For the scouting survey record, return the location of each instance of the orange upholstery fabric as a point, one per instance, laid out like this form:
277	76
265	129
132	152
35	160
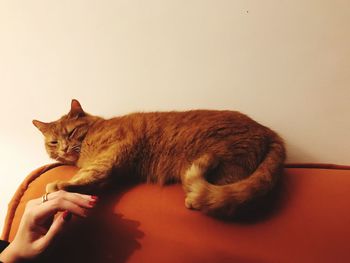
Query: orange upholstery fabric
308	222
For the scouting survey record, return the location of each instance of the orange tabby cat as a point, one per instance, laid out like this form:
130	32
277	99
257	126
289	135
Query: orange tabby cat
222	158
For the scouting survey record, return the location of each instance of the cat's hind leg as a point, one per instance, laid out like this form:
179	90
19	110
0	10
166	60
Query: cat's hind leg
205	179
193	180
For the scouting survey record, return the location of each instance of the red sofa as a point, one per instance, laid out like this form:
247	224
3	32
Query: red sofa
307	219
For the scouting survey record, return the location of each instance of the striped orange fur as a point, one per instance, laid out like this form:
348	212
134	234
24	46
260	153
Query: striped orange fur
223	159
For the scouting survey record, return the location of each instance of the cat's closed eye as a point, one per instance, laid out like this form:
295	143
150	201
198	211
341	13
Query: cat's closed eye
53	143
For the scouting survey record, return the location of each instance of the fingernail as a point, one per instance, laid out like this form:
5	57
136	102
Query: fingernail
66	216
94	197
92	203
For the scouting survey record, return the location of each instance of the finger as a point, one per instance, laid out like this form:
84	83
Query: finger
65	193
86	201
40	200
80	199
55	228
51	207
87	197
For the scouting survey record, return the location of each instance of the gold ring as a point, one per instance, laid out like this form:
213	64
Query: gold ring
44	197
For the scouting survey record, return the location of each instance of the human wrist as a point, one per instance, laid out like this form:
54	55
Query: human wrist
10	254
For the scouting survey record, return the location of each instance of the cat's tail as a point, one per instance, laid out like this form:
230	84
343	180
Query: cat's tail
223	200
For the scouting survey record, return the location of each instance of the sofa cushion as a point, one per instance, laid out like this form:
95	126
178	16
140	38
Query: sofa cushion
306	220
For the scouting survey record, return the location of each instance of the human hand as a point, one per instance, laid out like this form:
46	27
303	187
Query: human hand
38	226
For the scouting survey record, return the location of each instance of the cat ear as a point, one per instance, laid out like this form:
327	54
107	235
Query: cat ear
76	110
42	126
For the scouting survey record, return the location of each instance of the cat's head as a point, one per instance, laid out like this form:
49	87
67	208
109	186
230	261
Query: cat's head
64	137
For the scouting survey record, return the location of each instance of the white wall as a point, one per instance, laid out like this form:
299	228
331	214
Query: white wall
285	63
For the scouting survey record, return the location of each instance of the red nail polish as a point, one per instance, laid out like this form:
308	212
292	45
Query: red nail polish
66	216
92	203
94	197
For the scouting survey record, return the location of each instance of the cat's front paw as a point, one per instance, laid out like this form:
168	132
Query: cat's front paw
51	187
191	202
